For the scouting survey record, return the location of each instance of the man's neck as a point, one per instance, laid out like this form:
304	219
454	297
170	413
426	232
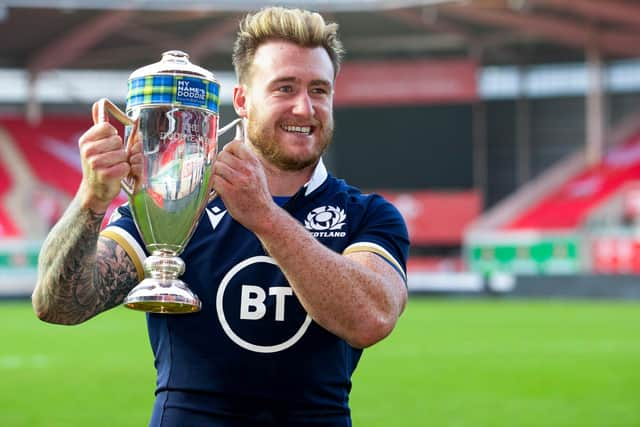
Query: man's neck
286	183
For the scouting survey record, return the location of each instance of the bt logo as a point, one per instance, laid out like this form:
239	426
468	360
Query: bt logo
260	317
252	299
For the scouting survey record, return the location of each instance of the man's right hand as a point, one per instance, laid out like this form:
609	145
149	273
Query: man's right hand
105	162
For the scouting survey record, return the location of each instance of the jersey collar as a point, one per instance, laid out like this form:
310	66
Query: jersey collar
319	176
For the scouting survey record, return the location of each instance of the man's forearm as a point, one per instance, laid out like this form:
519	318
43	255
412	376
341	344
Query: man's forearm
65	292
357	298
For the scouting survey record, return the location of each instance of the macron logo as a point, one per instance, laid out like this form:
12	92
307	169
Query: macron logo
215	215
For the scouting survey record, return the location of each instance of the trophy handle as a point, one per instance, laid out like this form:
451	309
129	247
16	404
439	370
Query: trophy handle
239	128
239	124
100	112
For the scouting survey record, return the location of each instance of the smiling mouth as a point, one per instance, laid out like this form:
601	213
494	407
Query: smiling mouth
302	130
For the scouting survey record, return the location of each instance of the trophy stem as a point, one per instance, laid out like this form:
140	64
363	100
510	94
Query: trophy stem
161	291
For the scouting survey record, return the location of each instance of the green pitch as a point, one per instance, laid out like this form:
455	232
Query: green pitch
448	363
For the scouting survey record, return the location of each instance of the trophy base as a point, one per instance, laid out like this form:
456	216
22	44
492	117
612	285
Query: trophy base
167	296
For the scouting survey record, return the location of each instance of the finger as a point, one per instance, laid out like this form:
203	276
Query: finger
135	147
100	111
98	131
224	171
95	147
108	159
136	161
116	171
231	160
238	149
220	186
135	171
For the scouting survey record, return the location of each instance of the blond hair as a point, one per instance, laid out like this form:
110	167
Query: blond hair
304	28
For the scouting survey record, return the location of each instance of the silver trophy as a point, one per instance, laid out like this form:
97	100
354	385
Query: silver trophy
172	109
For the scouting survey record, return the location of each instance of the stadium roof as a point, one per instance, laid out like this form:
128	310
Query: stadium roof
41	35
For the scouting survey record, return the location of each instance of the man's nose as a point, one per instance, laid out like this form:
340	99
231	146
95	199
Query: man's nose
303	105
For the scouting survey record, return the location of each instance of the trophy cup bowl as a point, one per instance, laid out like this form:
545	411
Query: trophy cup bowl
172	110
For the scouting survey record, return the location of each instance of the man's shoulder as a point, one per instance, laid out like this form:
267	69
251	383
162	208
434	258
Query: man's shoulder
355	194
356	202
334	185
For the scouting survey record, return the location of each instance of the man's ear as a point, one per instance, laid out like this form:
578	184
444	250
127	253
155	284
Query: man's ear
240	100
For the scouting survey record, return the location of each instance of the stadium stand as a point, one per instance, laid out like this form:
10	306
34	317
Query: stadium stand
8	228
569	205
436	221
436	217
51	148
577	217
41	172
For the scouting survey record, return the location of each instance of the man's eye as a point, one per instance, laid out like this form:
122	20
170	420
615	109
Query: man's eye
319	90
285	89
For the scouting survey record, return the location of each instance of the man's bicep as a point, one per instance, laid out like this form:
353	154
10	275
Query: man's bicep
115	273
393	277
377	257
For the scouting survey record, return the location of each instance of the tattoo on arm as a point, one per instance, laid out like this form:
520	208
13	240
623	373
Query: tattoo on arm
115	274
80	275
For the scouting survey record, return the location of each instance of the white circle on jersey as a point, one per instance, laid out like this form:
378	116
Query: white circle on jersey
231	333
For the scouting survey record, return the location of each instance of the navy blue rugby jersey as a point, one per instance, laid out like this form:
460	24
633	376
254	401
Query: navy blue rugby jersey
252	339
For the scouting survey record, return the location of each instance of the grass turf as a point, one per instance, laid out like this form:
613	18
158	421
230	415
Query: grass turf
448	363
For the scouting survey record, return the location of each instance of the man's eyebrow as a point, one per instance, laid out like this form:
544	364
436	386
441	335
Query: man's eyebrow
285	79
321	82
291	79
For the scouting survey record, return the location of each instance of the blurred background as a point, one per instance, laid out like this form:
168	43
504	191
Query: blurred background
507	132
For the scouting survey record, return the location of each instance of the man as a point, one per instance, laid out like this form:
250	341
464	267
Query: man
296	270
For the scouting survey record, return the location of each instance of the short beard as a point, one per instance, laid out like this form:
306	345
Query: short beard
269	149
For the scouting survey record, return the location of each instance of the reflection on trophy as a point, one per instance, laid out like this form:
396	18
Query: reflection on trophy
172	109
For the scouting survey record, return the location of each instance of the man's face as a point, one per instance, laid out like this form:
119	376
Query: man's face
289	104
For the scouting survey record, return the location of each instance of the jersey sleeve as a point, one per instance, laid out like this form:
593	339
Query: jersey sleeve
121	229
383	231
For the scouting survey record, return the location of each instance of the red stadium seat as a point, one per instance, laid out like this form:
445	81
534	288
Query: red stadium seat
569	205
8	228
51	148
